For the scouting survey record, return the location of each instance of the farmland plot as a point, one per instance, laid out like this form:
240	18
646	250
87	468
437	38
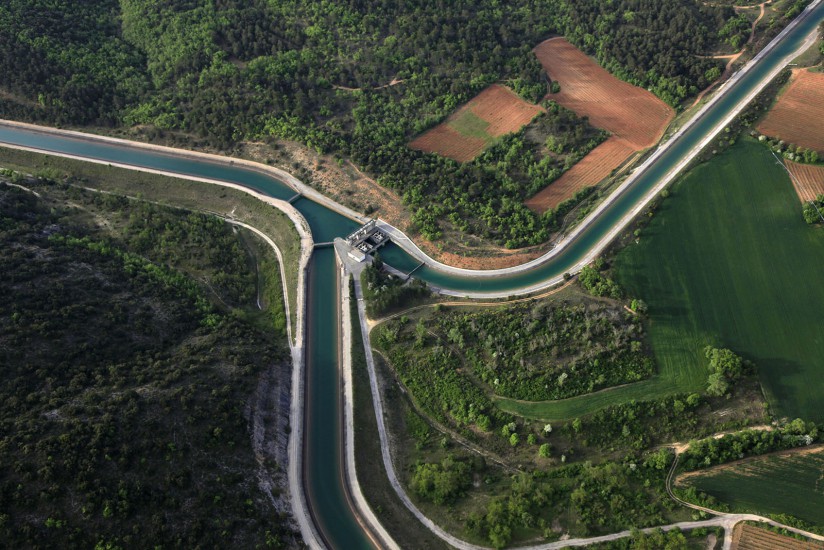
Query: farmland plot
634	116
750	537
594	167
808	179
494	112
796	117
782	483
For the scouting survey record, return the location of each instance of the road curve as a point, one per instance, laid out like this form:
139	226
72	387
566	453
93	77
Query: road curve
735	517
297	348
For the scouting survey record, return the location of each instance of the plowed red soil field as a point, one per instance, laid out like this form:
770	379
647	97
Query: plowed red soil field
447	142
593	168
749	537
808	180
503	109
797	116
626	111
633	115
494	112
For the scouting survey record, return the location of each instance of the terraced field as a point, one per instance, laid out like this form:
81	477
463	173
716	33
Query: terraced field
783	483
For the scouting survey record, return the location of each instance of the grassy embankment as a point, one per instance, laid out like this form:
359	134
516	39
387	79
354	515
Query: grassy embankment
726	260
775	484
177	192
392	513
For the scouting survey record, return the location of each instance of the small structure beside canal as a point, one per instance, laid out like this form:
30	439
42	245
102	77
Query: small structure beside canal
366	240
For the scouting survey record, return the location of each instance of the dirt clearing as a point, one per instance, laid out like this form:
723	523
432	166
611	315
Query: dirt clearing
798	114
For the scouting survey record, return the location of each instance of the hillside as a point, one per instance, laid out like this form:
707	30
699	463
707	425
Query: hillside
138	407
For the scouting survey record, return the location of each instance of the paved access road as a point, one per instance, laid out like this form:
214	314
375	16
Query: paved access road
577	249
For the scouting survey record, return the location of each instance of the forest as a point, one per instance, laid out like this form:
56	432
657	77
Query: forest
384	292
130	377
314	72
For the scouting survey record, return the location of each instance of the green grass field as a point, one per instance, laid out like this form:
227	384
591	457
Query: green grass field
776	484
727	260
469	124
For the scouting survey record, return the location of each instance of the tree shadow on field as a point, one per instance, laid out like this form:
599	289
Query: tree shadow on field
774	372
666	311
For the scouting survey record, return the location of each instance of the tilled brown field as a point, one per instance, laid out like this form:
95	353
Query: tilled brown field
634	116
749	537
447	142
503	109
797	116
808	179
626	111
594	167
499	108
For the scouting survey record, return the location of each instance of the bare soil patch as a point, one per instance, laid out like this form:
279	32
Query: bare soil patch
447	142
500	111
629	112
796	117
750	537
590	170
503	109
634	116
808	179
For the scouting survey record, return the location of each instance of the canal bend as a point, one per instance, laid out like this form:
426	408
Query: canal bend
324	485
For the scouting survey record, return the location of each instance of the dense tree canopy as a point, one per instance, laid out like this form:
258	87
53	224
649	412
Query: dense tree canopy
125	395
315	72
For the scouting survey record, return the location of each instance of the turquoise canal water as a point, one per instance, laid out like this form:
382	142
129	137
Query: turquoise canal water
324	484
322	446
327	224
